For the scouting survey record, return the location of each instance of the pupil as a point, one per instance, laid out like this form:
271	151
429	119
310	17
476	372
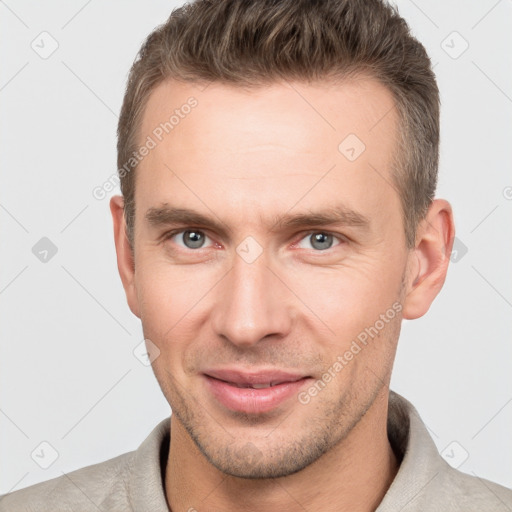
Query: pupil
193	239
321	241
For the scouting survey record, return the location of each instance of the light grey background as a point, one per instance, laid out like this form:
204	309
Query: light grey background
68	375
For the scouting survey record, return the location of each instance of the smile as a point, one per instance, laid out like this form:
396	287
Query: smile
252	393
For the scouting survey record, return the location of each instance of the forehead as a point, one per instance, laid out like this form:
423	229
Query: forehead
269	113
271	145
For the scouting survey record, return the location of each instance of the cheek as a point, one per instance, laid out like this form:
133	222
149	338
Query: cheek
170	297
334	304
351	297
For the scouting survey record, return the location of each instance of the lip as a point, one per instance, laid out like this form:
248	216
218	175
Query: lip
223	385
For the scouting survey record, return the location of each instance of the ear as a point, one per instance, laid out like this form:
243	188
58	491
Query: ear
125	259
428	261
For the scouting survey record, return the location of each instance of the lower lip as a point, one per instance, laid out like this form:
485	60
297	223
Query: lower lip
251	400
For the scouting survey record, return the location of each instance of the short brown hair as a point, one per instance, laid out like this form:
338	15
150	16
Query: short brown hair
257	42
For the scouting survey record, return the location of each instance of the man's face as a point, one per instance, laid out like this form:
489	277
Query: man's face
255	293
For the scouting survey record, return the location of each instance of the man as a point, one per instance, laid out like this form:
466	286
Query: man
278	164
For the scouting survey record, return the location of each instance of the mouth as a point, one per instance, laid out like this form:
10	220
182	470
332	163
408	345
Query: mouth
255	386
253	392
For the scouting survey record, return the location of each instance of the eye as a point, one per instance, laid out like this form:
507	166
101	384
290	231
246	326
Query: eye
189	238
319	240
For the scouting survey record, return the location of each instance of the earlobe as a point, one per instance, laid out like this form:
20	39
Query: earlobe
125	259
429	259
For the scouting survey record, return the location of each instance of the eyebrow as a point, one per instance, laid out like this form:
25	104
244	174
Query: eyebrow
340	215
166	215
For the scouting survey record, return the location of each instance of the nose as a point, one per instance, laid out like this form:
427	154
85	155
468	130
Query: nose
253	304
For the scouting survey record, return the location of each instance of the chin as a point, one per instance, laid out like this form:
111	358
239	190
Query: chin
275	460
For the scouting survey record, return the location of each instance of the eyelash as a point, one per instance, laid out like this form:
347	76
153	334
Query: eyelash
170	234
341	238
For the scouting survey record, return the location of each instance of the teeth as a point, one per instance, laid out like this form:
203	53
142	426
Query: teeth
255	386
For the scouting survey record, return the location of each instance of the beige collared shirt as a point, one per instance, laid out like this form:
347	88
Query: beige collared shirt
134	481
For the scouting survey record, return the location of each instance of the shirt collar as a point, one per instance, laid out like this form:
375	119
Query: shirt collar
419	459
420	462
146	487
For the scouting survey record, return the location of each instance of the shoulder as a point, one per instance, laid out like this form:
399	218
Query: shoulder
460	491
125	483
101	486
425	481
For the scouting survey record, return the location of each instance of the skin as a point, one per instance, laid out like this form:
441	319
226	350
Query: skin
244	158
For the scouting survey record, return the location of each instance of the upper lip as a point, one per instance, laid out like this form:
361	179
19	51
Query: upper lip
254	377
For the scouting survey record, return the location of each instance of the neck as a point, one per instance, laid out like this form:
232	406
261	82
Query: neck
354	475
